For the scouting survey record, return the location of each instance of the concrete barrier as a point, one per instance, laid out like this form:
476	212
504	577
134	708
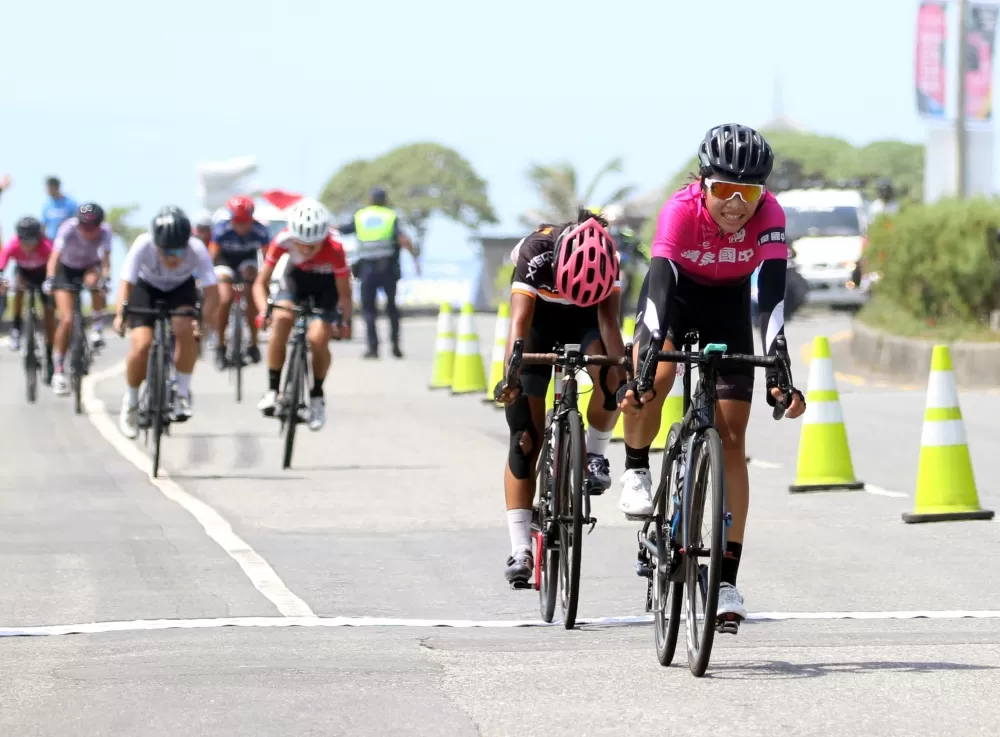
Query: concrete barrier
909	359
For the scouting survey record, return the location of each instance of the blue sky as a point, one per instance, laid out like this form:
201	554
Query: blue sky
122	100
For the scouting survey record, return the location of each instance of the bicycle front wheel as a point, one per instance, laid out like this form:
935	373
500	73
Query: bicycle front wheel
76	362
155	382
31	358
547	567
706	506
291	398
668	595
236	346
571	481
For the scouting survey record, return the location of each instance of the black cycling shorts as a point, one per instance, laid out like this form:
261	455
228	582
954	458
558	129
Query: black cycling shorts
720	314
33	277
144	295
67	276
552	325
235	260
298	286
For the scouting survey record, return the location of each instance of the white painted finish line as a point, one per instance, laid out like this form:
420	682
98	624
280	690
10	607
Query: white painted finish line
258	570
313	621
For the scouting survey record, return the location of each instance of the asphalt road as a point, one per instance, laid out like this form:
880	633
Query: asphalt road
395	510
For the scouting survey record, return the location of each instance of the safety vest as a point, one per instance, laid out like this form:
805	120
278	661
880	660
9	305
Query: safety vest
373	227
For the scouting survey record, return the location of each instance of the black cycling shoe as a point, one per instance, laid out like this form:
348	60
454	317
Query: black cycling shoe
598	474
220	358
253	354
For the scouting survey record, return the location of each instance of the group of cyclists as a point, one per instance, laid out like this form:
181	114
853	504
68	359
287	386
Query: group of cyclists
186	265
711	236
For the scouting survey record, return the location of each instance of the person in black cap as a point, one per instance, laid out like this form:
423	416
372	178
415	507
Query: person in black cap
376	228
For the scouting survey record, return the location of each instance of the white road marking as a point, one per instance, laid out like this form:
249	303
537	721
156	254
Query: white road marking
879	491
258	570
314	621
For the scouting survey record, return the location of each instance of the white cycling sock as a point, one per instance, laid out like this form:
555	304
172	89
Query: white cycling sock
519	526
183	384
597	440
133	396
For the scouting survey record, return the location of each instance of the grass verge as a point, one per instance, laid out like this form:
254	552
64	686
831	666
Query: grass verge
883	314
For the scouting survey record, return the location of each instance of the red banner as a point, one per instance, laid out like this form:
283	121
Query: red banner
980	33
932	33
281	198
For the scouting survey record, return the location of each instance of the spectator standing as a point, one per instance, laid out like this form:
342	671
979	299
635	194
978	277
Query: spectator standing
58	207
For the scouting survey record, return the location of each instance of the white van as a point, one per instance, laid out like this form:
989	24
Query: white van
826	228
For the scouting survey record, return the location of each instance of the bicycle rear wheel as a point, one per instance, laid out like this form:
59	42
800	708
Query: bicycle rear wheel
571	480
547	565
291	397
667	595
31	355
707	487
156	382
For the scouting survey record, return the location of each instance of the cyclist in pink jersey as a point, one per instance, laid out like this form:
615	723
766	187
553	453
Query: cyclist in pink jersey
81	253
29	249
710	237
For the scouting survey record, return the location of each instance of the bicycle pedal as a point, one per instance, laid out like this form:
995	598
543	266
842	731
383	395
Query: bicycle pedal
638	518
643	570
592	522
520	585
728	624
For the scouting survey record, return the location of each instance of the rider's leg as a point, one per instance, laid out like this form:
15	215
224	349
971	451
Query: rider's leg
319	336
64	304
98	302
16	324
601	424
525	419
281	328
249	274
225	278
135	373
369	306
185	351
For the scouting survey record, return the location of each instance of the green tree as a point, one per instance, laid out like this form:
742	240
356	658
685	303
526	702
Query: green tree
556	185
118	220
422	180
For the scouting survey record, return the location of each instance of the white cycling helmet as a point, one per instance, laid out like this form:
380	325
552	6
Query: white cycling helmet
203	219
308	221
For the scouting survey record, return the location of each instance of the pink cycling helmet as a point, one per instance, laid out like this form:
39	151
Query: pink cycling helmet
586	263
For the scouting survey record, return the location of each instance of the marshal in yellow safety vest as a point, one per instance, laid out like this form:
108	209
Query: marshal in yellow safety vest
375	229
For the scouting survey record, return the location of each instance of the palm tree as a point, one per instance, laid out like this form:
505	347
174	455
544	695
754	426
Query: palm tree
557	187
118	220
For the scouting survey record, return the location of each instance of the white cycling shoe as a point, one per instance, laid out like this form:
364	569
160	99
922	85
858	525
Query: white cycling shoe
60	385
730	603
317	413
128	420
268	402
637	493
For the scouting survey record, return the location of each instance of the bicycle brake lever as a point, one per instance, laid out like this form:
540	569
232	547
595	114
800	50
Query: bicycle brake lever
781	404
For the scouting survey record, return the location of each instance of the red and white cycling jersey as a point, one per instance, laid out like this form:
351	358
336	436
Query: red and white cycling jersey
329	258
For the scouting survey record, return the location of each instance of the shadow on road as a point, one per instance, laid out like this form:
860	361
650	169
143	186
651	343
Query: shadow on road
235	477
785	669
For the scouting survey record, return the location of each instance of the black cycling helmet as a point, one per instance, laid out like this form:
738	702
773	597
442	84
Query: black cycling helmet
378	196
171	228
29	228
90	213
736	152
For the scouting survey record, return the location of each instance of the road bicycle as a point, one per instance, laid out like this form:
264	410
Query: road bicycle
563	506
81	352
672	544
293	402
158	393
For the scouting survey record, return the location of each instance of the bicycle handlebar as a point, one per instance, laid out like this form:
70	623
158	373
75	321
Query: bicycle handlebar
570	356
647	371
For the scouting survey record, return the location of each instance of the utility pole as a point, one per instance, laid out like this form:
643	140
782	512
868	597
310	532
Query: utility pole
961	140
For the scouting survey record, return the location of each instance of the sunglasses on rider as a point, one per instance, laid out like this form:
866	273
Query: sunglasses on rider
749	193
174	252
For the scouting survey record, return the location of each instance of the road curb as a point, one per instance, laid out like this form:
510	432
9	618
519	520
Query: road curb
909	359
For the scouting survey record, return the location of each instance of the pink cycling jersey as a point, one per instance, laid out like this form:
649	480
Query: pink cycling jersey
687	235
77	252
34	259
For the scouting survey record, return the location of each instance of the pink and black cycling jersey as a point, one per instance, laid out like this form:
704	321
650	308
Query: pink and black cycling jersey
687	235
31	260
77	252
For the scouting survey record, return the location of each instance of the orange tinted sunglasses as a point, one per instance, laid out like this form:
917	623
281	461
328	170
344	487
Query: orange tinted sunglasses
749	193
